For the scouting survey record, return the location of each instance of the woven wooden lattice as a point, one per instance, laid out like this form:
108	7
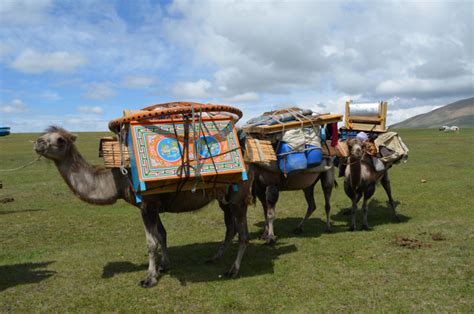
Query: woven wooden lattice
109	149
259	151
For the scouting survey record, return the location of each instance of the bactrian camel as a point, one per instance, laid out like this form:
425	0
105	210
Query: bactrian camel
361	179
105	186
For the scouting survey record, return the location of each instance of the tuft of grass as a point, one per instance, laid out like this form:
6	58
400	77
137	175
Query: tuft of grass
60	254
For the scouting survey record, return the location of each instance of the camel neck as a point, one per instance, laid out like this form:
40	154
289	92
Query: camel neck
355	171
90	184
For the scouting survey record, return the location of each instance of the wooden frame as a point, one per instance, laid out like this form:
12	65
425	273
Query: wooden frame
367	123
277	128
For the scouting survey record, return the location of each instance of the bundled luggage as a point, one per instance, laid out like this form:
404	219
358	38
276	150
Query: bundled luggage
295	135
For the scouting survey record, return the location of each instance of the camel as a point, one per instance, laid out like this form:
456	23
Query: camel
360	181
105	186
269	181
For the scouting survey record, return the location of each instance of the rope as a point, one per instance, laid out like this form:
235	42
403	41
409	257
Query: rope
123	170
21	167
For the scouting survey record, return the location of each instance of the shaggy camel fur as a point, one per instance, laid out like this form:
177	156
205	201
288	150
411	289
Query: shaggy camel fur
361	179
105	186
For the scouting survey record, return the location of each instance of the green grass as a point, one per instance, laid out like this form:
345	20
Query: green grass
60	254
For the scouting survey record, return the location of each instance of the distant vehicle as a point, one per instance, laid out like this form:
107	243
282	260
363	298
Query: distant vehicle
4	130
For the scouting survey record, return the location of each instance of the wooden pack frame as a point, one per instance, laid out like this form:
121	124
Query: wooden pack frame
109	149
366	123
259	151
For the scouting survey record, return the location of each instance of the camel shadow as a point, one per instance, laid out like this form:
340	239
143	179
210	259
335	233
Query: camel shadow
285	228
188	262
380	213
20	274
6	212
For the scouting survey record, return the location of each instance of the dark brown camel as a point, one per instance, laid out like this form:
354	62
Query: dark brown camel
361	179
269	181
105	186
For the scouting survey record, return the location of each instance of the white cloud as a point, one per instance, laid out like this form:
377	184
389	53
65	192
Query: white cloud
33	62
138	81
245	97
98	91
414	87
79	122
15	106
94	109
398	115
192	90
23	11
347	47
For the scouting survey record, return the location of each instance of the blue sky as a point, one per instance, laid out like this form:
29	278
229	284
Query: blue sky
78	64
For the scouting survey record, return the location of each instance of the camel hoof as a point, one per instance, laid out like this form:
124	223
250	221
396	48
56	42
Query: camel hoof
365	228
298	230
271	240
352	228
263	236
396	219
163	269
148	282
328	230
232	273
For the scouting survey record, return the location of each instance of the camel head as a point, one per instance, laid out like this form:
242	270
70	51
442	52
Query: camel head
356	148
55	143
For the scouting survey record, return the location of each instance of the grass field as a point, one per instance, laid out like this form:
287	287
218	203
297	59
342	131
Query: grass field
60	254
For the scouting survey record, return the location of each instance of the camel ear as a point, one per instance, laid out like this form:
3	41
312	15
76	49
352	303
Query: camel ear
73	137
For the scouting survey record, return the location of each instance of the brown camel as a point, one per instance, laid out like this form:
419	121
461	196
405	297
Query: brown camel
361	179
105	186
269	181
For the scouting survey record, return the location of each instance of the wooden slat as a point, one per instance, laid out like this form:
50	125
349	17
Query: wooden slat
109	149
367	119
271	129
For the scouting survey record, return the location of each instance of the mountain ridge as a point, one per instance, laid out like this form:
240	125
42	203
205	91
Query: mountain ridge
459	113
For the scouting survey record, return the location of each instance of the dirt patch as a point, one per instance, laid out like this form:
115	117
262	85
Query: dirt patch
410	243
6	200
438	236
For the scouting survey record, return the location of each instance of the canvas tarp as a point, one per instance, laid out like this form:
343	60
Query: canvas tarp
393	142
298	138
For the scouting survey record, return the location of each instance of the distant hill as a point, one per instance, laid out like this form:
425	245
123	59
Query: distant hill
460	113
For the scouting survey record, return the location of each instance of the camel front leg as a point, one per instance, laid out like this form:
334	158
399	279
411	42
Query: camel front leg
155	233
353	215
271	195
239	213
365	207
309	197
327	184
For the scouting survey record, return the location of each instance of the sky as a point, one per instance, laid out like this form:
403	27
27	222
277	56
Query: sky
79	64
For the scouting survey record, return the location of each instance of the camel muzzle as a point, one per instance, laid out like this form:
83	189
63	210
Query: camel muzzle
40	146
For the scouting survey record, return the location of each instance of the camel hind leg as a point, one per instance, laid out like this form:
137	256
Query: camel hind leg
155	234
385	181
309	196
229	233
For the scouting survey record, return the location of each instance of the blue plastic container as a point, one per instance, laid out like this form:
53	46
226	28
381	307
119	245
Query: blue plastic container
314	156
289	160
